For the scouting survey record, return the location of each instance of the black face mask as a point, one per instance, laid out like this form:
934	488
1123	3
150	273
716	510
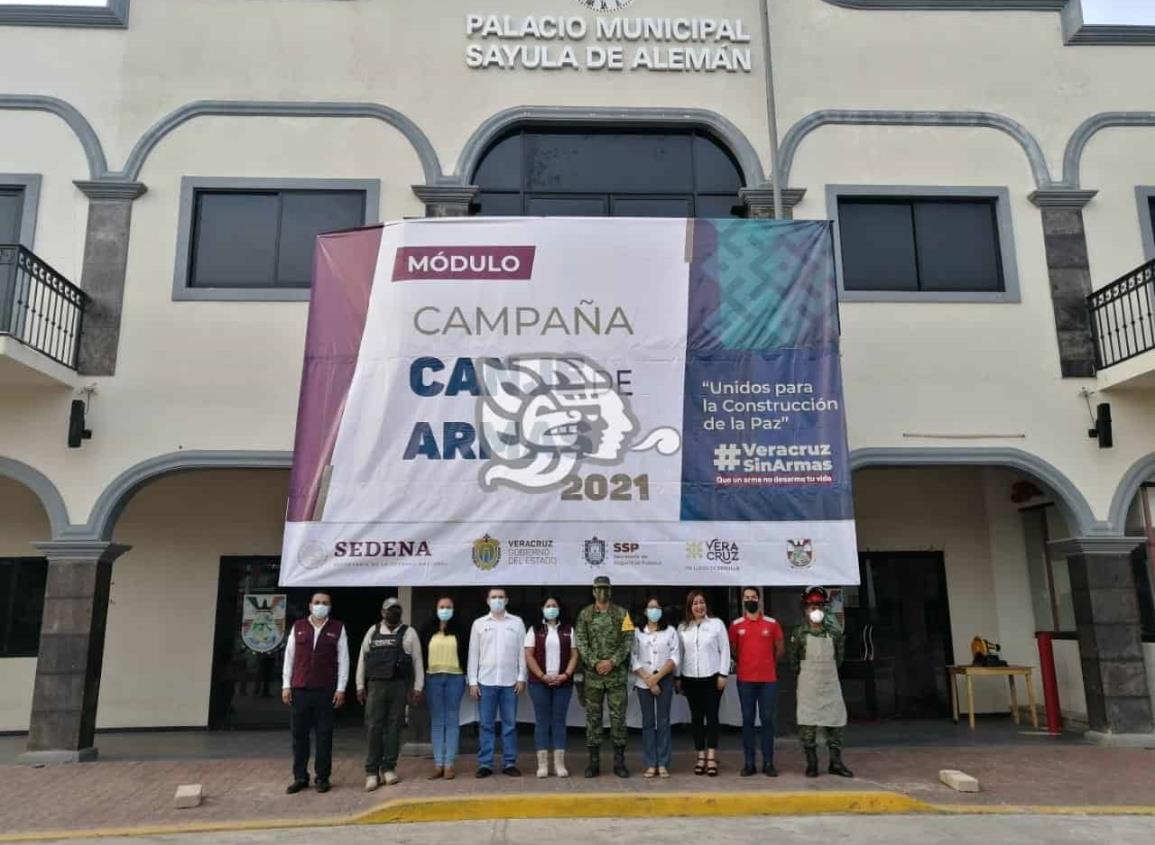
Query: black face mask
392	616
751	606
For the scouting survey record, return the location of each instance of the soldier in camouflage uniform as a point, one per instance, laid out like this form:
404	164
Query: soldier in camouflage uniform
816	649
604	635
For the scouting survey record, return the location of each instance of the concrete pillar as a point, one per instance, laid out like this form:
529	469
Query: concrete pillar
760	201
1106	604
1069	270
68	668
446	200
103	273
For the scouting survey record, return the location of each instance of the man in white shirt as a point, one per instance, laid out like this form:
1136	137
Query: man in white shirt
389	673
313	681
497	676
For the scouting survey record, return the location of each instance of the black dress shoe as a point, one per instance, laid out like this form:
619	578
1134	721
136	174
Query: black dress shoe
747	771
483	772
296	786
512	771
323	786
769	770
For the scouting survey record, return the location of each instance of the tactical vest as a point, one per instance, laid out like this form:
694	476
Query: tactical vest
386	659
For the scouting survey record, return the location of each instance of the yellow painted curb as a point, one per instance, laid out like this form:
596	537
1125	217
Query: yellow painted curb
632	805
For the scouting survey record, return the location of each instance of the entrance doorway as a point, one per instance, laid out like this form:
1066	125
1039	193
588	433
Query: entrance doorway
898	640
246	685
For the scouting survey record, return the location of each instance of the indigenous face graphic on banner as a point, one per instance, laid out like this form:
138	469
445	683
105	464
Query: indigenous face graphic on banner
507	401
263	621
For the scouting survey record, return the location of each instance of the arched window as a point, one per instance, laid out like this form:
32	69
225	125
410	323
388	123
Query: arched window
551	172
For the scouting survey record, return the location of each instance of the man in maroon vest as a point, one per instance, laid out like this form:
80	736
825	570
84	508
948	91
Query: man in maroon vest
314	678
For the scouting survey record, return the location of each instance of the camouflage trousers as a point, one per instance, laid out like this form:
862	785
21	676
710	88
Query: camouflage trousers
616	694
809	736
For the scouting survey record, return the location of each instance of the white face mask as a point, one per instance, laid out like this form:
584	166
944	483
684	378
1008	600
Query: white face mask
817	615
320	611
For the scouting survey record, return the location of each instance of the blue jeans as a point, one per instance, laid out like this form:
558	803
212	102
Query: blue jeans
494	700
444	692
762	696
656	724
550	705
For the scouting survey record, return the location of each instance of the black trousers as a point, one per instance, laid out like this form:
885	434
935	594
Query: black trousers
704	699
312	712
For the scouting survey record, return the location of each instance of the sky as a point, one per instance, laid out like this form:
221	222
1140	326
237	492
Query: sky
1094	11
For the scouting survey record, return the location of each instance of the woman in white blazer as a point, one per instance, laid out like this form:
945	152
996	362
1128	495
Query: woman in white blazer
702	674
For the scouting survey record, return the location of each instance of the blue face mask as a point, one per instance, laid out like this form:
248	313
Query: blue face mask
551	613
654	614
497	605
445	613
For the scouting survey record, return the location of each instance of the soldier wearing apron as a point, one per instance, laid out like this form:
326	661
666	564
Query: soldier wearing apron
816	648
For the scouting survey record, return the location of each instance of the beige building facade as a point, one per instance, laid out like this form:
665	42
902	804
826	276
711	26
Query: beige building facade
988	165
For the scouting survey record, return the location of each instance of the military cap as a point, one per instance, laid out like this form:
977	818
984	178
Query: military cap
602	581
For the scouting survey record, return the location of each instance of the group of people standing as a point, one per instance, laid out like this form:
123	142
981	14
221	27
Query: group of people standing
601	653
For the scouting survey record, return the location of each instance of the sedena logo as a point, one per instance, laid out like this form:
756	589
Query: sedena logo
495	263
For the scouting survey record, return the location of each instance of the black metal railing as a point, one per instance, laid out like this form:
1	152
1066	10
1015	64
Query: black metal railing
39	307
1122	317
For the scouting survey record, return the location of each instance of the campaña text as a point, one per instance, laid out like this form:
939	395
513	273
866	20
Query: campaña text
521	320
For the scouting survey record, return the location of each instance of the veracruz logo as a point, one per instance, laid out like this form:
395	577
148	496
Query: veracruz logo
497	263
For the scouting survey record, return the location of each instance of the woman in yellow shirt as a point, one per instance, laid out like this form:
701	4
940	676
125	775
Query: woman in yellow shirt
446	644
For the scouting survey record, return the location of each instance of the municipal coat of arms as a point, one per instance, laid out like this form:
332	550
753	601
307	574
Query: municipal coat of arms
800	553
486	553
263	621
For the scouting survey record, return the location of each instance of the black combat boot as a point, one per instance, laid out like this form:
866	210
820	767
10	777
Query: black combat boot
594	767
620	762
836	767
811	762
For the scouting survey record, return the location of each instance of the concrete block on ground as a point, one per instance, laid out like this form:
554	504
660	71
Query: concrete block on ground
958	781
188	796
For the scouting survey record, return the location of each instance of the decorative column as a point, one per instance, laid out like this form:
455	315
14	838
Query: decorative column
1069	270
105	264
760	201
1106	603
446	200
71	655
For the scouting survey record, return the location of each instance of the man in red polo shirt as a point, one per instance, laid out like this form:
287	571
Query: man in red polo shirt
757	643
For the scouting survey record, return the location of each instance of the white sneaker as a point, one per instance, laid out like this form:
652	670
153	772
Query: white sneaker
559	764
371	783
391	778
543	764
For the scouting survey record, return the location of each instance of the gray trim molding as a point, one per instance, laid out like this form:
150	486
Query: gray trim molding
113	15
189	185
93	151
1076	510
721	127
430	163
446	194
1095	545
1065	198
113	499
1143	196
44	489
967	119
1139	473
763	198
1073	155
1007	254
103	189
29	183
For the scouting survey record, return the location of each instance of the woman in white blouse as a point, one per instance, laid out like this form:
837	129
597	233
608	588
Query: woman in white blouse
653	660
702	672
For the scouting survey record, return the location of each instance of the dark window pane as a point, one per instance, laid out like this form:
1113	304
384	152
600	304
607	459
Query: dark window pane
714	169
651	206
499	205
501	167
958	246
709	206
11	209
621	163
28	608
877	246
304	215
566	207
235	240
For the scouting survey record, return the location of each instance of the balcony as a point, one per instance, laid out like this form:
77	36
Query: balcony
41	317
1123	328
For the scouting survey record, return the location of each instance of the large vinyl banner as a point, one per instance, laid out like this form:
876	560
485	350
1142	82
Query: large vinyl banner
536	401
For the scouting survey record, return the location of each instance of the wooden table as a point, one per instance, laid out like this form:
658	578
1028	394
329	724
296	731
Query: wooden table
1008	672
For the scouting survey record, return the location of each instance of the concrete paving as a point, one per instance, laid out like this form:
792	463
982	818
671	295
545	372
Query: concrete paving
894	830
